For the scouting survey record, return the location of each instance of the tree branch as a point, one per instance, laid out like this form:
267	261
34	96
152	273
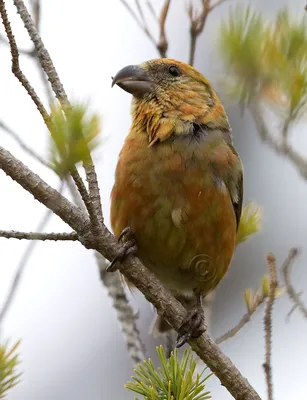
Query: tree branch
72	236
44	193
281	147
257	301
16	68
286	271
42	53
162	44
108	246
197	24
268	324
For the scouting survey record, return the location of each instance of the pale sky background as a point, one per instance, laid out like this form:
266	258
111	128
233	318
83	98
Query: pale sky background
72	347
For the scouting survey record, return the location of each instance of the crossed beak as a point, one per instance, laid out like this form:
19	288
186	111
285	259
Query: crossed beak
133	79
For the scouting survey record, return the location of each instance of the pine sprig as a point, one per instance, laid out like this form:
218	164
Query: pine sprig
174	380
250	222
267	60
74	134
9	361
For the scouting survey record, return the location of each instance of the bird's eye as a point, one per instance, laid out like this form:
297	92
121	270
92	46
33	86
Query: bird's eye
174	70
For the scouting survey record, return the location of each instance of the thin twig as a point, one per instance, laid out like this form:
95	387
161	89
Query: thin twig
72	236
87	200
24	52
93	188
267	366
36	11
42	53
23	263
162	45
16	68
279	146
259	299
198	22
152	10
286	271
24	146
44	193
134	16
125	314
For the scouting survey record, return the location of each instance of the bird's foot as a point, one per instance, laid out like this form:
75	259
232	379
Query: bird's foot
128	248
193	325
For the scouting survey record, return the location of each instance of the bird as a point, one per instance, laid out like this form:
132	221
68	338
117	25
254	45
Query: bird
178	190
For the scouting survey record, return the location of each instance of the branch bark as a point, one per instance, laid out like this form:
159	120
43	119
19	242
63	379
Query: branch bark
16	67
72	236
267	366
42	53
286	271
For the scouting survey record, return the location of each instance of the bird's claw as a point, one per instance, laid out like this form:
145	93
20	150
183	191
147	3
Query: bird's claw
128	248
192	326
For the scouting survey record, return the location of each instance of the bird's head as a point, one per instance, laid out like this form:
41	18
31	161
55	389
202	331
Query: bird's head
170	98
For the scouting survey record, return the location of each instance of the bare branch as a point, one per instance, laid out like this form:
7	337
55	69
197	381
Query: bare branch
133	14
93	187
24	52
162	45
268	324
24	146
72	236
257	301
152	10
36	11
42	53
279	146
125	314
286	271
16	68
87	200
197	24
44	193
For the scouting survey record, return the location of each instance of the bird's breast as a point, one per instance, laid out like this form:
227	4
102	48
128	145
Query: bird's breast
180	213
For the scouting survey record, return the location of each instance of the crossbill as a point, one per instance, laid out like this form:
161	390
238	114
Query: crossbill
178	184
